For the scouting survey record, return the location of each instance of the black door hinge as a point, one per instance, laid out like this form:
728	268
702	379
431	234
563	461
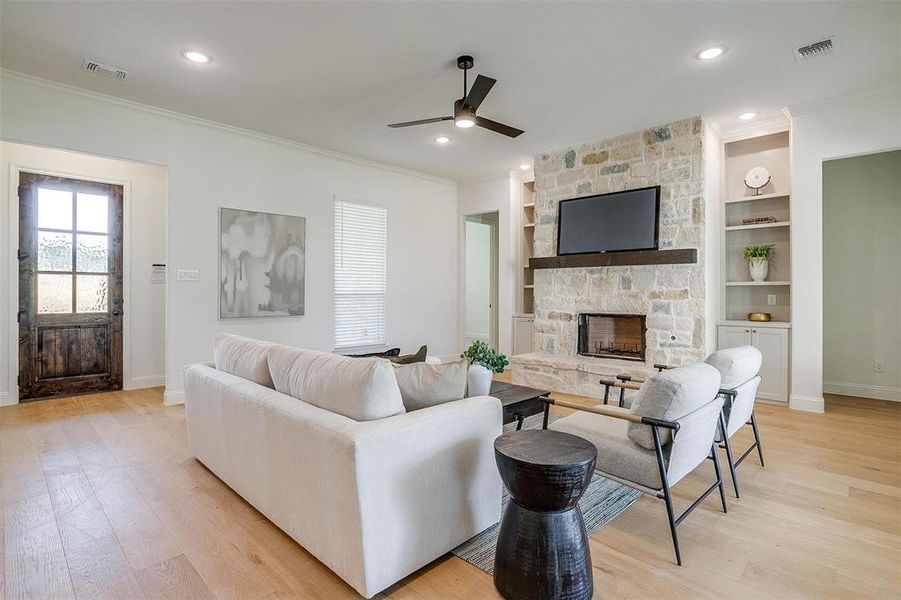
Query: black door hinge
21	312
21	254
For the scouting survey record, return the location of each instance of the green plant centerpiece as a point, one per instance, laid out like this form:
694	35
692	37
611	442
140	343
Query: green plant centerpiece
485	361
758	257
480	353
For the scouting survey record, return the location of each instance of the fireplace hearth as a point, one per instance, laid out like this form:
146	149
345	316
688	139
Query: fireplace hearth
612	336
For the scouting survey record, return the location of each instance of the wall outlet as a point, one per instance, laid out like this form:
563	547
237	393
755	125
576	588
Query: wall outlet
187	275
771	299
878	366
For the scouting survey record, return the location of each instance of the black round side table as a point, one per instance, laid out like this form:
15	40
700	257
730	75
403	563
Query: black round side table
542	546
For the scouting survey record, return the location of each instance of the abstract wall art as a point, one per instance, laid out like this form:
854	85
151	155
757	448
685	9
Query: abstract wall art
261	264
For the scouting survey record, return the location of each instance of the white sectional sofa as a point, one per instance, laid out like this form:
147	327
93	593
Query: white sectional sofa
375	495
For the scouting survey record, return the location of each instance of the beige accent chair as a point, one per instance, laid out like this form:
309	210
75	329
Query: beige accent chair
668	431
740	371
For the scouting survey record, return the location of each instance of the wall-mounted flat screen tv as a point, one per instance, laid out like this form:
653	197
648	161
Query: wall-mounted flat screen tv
609	222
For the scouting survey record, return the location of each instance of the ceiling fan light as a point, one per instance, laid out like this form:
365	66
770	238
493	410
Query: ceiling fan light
464	121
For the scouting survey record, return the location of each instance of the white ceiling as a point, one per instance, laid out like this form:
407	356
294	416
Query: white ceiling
334	74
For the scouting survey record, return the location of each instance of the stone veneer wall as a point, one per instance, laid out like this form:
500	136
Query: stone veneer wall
672	296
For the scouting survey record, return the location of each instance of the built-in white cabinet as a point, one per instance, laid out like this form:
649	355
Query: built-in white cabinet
522	333
773	343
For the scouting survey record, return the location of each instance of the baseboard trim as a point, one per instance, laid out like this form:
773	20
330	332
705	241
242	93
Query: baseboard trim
173	397
812	404
7	399
146	381
862	390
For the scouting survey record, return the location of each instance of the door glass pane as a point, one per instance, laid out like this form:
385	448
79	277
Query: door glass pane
92	253
54	293
54	209
92	213
90	293
54	251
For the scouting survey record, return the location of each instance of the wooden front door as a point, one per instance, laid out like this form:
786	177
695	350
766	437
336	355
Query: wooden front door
70	286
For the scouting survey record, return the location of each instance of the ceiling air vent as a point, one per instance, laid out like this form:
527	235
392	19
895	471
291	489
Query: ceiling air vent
97	68
823	47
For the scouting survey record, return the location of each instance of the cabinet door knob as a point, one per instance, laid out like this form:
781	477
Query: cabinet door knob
753	331
747	331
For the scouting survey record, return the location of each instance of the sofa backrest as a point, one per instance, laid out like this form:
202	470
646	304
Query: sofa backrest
670	395
362	389
243	357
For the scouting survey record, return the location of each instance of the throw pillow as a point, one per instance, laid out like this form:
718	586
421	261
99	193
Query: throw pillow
423	385
407	359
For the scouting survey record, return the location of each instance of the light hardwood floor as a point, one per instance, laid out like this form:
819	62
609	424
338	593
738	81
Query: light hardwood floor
101	499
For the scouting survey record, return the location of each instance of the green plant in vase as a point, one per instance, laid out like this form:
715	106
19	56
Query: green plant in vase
484	361
758	257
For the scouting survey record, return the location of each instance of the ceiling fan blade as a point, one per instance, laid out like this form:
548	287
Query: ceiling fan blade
480	88
498	127
420	122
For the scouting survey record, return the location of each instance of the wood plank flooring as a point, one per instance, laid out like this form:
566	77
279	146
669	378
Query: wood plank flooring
100	498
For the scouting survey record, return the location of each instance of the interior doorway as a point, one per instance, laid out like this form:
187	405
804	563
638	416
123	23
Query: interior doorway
70	286
862	276
480	289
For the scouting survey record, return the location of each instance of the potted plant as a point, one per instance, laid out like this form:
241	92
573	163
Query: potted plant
484	361
758	258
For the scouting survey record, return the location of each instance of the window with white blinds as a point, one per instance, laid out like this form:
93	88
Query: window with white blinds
361	257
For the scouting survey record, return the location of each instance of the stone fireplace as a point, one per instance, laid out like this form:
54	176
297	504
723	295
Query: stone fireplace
612	336
671	297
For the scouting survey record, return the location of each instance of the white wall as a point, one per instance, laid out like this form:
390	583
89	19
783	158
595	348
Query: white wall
499	195
821	131
211	166
145	244
862	275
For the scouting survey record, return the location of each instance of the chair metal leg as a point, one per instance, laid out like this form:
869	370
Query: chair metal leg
667	498
729	459
757	438
719	476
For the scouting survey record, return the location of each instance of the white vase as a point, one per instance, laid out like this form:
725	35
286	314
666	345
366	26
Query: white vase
759	268
478	381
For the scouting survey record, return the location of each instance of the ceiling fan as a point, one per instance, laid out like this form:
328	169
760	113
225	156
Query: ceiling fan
465	108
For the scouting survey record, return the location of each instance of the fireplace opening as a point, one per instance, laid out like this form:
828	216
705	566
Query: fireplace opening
612	336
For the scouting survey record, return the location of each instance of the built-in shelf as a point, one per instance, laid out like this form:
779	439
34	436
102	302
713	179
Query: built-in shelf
526	225
760	197
680	256
746	283
758	226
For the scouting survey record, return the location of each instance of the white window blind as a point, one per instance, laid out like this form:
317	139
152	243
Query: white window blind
361	256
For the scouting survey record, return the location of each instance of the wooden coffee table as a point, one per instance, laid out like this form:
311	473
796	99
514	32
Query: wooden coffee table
519	402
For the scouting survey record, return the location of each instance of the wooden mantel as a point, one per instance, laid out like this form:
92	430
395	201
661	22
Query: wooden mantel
678	256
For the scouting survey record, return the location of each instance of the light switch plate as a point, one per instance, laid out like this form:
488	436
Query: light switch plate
771	299
878	366
188	275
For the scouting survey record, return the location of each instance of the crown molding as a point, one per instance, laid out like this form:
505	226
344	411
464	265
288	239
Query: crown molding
803	108
240	131
758	127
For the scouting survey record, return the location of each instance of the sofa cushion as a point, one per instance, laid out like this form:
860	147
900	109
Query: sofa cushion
736	365
423	385
617	455
406	359
243	357
362	389
670	395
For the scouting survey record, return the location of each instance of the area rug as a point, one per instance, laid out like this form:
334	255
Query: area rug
602	501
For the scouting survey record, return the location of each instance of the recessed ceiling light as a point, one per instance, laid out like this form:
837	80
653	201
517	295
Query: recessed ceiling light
442	139
525	166
747	116
197	57
711	53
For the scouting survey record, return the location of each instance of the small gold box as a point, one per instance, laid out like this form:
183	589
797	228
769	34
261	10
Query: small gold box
760	317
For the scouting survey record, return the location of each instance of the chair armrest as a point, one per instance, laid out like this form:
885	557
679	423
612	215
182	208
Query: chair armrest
616	413
626	385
